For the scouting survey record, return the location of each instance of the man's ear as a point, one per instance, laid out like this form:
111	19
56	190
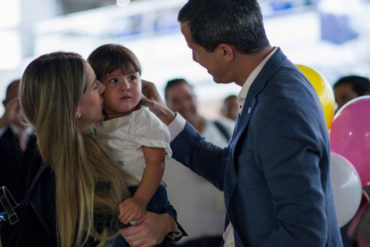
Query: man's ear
227	52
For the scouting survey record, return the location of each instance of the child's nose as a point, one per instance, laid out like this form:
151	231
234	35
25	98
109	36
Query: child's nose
125	85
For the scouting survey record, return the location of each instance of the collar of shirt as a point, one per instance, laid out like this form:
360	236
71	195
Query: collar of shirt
247	84
16	129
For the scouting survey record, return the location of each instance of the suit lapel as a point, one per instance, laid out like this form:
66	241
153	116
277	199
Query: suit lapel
244	118
231	176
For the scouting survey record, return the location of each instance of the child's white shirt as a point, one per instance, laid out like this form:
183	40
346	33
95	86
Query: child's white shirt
126	135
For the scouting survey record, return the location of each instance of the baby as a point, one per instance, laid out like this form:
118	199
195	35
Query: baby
137	139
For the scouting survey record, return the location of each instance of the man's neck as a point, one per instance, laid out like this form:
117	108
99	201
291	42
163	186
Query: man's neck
246	63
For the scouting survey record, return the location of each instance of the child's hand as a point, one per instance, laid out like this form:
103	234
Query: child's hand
131	209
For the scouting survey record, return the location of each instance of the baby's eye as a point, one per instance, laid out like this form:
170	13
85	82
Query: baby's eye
113	80
133	78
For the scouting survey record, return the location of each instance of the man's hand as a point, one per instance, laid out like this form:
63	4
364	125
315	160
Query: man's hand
152	99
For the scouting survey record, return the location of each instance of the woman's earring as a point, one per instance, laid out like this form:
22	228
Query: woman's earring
78	115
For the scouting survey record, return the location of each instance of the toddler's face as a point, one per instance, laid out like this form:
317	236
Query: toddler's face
122	92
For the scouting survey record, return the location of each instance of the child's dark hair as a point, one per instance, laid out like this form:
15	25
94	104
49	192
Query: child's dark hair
107	58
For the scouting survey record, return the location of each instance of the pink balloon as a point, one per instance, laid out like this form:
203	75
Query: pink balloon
350	135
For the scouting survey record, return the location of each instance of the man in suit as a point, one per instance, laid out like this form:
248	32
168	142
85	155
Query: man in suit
18	149
275	171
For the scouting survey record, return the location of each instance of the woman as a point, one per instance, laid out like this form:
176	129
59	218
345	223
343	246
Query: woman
61	98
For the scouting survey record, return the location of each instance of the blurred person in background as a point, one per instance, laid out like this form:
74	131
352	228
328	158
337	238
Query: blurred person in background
180	97
18	149
349	87
229	112
19	154
199	204
230	107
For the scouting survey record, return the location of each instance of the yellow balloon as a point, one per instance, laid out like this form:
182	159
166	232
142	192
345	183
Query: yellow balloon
323	89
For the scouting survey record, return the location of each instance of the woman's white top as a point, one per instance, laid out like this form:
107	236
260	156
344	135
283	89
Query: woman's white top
126	135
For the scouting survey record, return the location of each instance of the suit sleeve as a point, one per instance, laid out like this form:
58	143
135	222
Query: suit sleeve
179	232
203	158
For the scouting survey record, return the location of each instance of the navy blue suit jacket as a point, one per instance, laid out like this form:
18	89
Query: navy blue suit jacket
275	171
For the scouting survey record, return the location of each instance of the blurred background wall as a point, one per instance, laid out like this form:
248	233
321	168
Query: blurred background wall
332	36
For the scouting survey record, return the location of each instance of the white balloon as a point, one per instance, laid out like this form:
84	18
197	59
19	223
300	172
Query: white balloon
346	185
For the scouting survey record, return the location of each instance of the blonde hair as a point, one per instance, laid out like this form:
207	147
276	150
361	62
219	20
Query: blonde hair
88	183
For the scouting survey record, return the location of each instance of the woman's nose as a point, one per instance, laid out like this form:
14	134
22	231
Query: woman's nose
102	88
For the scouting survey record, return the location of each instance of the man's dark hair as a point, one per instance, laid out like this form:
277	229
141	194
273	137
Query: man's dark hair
174	82
359	84
234	22
9	87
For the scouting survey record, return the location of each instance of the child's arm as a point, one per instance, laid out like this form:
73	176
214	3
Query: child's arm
134	207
